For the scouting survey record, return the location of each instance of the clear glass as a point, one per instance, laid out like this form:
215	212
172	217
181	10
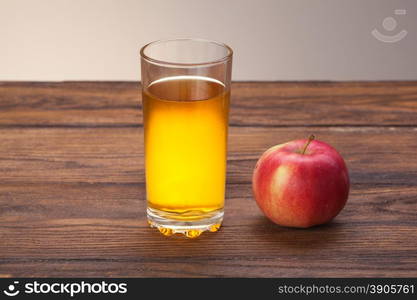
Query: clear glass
185	95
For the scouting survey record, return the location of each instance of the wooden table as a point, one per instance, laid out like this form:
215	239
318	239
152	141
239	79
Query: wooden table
72	192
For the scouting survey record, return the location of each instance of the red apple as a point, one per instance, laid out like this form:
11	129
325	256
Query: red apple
301	183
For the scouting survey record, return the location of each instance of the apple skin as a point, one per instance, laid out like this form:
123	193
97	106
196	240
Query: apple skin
301	190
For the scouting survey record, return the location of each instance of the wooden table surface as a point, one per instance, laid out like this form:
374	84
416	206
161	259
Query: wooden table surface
72	192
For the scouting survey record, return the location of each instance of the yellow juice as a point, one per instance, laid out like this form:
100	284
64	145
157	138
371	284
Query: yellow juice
185	120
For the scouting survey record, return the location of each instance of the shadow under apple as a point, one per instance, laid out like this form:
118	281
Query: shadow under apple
317	237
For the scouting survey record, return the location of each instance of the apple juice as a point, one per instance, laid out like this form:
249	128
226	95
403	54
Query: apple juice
185	124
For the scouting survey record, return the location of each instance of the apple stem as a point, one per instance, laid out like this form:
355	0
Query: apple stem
310	138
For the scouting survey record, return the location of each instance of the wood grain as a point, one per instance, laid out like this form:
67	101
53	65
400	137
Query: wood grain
72	192
105	104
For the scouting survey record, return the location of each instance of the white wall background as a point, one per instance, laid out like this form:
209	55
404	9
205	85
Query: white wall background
272	39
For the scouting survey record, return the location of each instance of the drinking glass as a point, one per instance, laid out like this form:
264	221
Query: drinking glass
185	94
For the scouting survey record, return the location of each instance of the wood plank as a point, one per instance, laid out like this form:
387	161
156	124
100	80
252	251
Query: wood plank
70	104
115	104
101	229
324	104
37	206
374	155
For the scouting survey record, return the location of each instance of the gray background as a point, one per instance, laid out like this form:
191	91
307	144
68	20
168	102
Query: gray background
273	40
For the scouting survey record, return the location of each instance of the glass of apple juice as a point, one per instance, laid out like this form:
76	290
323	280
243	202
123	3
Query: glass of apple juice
185	97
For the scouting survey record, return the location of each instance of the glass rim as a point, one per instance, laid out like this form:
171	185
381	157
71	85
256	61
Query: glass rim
225	58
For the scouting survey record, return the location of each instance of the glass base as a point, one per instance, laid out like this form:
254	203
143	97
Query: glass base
190	224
